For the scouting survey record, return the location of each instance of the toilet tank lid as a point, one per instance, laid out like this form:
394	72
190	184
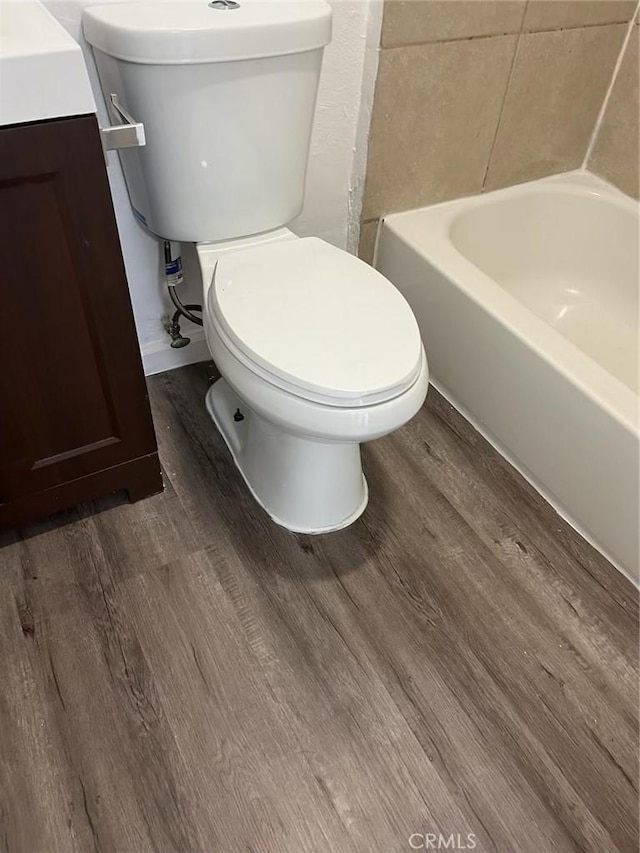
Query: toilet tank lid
171	32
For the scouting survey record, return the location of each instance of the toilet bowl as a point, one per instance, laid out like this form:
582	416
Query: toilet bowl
318	353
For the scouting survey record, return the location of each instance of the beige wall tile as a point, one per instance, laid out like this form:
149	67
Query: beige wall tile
422	21
616	154
563	14
367	244
434	117
557	87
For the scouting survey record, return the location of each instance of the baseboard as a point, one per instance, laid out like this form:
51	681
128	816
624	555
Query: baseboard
159	355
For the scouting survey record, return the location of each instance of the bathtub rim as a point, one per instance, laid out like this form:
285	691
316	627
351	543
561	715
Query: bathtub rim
426	231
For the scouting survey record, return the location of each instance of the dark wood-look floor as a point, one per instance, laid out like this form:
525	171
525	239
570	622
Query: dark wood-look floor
182	675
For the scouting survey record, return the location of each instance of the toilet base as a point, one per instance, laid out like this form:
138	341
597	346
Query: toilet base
305	485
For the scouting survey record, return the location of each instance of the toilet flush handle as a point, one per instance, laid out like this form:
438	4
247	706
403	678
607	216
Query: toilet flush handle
128	133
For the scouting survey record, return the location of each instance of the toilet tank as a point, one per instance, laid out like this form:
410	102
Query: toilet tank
226	93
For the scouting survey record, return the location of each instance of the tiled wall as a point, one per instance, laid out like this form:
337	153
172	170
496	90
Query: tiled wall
616	152
480	94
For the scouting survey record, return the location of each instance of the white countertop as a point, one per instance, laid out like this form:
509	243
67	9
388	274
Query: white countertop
42	70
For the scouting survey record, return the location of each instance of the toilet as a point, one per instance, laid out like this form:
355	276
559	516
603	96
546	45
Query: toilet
317	351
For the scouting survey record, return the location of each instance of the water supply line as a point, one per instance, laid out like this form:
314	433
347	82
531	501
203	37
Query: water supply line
173	277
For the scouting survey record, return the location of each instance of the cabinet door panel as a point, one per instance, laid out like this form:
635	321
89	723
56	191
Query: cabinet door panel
72	393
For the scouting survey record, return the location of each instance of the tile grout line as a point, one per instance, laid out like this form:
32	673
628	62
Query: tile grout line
612	82
504	97
487	36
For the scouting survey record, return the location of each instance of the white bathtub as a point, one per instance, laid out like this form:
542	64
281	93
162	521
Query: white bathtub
527	299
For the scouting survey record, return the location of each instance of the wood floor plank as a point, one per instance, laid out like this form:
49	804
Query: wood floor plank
41	805
460	716
182	675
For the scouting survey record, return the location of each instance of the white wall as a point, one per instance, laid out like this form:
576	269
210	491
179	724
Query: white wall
334	180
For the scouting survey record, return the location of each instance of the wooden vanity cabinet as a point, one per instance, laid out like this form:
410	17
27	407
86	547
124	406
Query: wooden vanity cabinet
75	421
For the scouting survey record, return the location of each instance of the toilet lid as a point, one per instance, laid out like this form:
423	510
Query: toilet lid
319	319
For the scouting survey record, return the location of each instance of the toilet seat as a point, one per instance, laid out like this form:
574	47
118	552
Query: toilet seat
316	322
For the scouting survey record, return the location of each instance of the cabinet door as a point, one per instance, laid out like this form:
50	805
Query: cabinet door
73	398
